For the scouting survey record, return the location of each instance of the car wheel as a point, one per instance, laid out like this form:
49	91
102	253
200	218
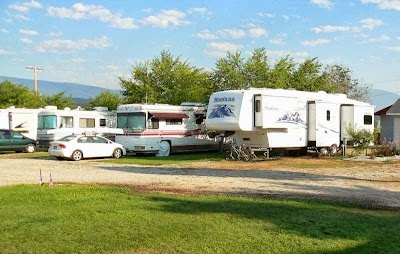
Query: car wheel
30	148
117	153
77	155
165	149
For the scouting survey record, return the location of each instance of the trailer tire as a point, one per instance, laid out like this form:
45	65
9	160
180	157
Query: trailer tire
333	149
165	149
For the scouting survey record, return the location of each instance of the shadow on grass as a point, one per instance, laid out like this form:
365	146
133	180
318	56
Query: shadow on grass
378	232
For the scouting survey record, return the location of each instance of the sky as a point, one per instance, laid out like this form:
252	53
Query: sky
95	42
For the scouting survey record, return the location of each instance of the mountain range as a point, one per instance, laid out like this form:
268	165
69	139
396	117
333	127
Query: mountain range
81	93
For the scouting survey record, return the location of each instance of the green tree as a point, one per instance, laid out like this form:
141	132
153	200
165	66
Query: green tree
257	69
166	79
106	99
229	73
17	95
281	74
340	80
310	77
60	100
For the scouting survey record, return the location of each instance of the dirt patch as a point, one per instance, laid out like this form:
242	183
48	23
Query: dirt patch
371	184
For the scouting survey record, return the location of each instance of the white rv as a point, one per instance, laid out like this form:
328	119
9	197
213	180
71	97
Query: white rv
290	119
161	128
54	123
23	120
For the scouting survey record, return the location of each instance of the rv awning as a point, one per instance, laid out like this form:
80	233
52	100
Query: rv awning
169	115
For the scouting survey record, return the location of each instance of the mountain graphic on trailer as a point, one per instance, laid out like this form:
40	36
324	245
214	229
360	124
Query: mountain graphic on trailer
221	112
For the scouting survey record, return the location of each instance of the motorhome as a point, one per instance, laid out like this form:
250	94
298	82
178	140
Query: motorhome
265	119
23	120
54	123
161	128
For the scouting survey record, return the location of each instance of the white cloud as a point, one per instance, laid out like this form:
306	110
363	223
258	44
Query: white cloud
265	15
5	52
166	18
381	38
198	10
81	11
371	23
330	29
206	35
323	3
65	46
25	7
78	60
26	40
55	34
233	33
257	32
285	17
28	32
314	43
4	30
384	4
277	41
283	53
220	49
395	49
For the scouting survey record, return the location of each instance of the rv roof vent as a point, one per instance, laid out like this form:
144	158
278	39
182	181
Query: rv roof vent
322	92
50	107
11	107
197	104
67	108
100	108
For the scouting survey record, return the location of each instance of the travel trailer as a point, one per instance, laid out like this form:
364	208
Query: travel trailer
23	120
266	119
160	129
54	123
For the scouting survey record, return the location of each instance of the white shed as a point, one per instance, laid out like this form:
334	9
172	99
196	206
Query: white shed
390	122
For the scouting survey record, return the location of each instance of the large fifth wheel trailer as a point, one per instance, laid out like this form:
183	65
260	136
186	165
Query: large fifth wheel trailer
290	119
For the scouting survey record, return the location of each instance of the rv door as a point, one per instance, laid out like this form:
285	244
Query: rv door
257	109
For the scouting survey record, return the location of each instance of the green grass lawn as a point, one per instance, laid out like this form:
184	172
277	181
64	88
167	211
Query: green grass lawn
103	219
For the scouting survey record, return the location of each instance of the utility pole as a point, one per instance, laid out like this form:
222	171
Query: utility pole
35	70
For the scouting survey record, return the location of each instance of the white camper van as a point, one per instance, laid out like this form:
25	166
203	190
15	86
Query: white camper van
161	128
54	123
290	119
23	120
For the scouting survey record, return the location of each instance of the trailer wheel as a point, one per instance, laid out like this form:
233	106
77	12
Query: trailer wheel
165	149
323	151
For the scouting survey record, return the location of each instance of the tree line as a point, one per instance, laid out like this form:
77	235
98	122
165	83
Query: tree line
169	79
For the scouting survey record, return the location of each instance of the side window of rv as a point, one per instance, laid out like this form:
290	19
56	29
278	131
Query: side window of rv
328	115
173	121
367	119
86	123
154	123
257	106
66	122
103	122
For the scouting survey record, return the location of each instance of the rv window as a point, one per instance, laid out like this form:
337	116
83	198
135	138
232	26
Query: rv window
154	123
86	123
47	122
67	122
103	122
258	106
173	121
131	120
328	115
367	119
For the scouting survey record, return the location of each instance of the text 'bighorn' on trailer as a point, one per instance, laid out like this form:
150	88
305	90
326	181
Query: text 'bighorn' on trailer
162	128
265	119
54	123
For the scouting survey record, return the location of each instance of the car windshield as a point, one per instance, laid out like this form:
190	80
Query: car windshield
67	138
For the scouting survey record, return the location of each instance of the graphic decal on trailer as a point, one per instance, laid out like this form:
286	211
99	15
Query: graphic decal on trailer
222	111
291	118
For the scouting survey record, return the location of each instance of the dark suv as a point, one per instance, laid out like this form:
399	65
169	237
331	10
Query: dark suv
15	141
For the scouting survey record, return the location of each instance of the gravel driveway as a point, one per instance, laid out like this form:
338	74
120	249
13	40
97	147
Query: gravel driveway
374	186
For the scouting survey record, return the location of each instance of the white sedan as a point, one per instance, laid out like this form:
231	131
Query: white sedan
77	147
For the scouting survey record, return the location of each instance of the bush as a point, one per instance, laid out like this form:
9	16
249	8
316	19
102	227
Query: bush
386	149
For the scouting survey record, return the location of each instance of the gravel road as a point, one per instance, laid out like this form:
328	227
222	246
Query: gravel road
374	186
